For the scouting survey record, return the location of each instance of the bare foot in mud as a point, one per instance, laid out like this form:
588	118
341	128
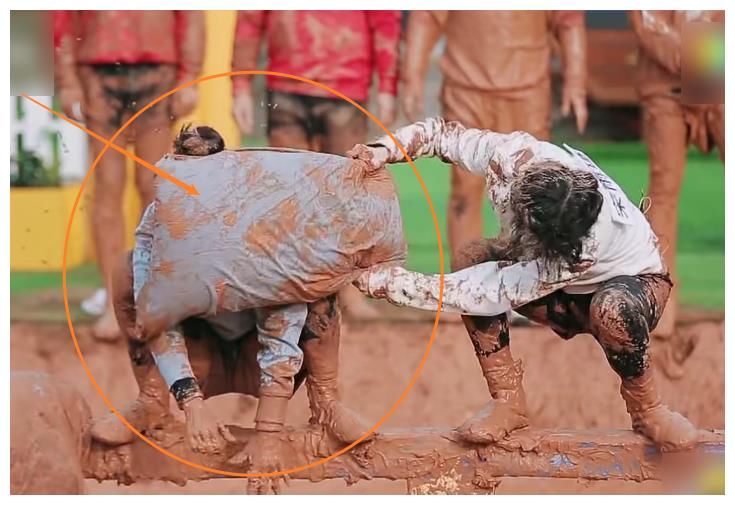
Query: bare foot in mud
669	430
204	432
106	328
144	416
494	422
264	452
343	423
110	429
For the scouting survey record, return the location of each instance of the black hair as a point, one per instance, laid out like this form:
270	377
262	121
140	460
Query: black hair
554	209
198	141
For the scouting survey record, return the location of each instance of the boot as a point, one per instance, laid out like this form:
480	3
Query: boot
149	411
321	359
507	411
669	430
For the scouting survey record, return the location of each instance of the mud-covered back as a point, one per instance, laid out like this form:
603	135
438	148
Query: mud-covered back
269	227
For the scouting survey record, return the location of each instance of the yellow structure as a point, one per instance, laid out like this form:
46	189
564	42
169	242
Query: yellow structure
38	216
215	96
38	219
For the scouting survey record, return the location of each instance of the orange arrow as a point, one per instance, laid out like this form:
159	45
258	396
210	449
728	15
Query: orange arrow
189	188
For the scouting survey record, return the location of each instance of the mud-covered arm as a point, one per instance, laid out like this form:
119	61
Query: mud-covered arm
248	35
422	33
472	149
487	289
65	65
386	31
568	28
143	248
658	37
190	38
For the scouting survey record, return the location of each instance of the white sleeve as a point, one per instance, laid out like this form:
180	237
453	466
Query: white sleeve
487	289
471	149
142	249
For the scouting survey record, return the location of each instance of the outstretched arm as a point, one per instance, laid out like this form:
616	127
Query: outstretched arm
422	33
658	37
474	150
569	29
487	289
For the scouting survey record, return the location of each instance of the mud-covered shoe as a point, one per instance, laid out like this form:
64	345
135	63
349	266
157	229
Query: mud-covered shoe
148	412
507	409
339	420
321	357
669	430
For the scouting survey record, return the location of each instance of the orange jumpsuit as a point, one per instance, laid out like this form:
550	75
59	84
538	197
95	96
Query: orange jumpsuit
670	126
497	76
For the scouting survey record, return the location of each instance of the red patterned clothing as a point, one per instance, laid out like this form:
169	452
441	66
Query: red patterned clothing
131	37
338	48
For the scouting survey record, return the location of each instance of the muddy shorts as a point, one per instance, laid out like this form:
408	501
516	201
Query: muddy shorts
620	314
319	119
113	93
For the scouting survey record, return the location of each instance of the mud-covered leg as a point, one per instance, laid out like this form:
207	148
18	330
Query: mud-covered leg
491	340
622	314
280	359
507	409
150	410
321	352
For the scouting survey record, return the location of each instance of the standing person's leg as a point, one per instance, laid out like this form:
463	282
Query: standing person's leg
622	314
715	118
467	194
666	138
338	126
531	112
153	128
103	115
343	125
288	121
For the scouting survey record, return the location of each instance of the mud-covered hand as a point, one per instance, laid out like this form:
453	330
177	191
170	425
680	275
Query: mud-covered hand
574	100
243	112
70	100
376	156
413	99
204	432
386	108
184	101
375	281
265	457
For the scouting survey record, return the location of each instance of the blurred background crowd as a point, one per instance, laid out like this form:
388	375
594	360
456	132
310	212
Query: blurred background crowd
608	81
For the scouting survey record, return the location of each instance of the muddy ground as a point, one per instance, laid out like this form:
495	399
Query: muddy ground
568	385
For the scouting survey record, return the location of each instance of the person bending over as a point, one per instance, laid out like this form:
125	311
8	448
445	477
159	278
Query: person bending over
573	254
287	336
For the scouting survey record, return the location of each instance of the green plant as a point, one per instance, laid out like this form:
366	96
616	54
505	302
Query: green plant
27	168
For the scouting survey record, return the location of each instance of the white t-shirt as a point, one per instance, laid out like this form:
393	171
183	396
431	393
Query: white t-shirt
621	242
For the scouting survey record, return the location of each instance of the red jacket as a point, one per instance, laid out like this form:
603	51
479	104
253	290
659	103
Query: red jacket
338	48
130	37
